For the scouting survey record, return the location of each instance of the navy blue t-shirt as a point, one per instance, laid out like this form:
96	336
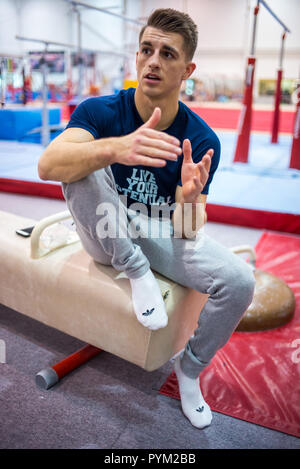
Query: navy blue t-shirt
116	115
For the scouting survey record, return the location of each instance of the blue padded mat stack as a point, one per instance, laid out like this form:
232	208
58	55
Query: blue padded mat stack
16	123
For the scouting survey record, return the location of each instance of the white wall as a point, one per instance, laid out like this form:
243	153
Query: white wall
224	32
34	18
55	20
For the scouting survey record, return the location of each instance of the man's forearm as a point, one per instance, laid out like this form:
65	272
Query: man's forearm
65	161
188	218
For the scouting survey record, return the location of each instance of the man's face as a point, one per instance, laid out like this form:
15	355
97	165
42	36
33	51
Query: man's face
161	63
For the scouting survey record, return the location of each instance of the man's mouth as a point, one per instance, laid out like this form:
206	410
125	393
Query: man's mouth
152	77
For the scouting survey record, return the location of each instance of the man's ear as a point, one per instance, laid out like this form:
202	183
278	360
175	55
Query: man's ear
190	68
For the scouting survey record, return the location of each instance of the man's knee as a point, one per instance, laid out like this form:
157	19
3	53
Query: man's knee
239	281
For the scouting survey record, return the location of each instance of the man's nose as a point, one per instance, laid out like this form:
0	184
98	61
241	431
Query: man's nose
154	60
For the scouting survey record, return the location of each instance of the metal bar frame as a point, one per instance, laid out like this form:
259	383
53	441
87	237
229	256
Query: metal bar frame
70	46
48	377
256	10
274	15
45	111
103	10
282	50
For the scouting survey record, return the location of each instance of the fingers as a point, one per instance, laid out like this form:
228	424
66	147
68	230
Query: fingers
202	174
203	167
196	181
156	153
206	160
145	161
192	189
187	151
153	144
157	148
154	119
158	135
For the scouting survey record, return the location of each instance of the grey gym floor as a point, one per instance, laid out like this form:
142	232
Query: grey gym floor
107	403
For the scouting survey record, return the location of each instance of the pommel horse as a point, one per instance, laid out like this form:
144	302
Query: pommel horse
51	278
63	287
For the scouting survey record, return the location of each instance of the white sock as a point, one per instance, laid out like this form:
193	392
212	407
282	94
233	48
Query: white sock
193	405
148	303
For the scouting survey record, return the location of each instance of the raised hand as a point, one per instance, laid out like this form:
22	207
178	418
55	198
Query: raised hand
193	175
147	146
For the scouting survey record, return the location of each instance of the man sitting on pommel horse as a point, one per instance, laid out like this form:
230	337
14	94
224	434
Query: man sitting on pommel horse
144	147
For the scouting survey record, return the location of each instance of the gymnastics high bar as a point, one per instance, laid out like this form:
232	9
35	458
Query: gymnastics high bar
103	10
274	15
244	126
70	46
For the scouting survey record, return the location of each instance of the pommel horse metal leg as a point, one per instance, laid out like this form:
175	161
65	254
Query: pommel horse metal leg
48	377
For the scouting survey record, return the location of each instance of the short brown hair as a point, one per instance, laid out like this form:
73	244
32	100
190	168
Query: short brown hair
174	21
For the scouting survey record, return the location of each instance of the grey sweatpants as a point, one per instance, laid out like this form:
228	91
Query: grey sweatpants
202	263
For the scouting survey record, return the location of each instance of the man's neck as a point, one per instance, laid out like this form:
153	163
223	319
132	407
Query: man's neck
146	105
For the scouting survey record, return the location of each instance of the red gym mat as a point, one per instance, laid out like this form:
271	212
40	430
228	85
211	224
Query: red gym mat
222	118
256	376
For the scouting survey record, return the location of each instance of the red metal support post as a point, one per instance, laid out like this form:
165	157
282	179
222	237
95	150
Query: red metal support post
295	151
244	127
276	114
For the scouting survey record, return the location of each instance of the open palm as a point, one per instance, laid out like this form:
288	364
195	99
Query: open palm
193	175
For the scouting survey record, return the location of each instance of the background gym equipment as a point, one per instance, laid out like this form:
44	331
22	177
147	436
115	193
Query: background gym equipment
60	285
109	402
295	152
276	114
2	89
274	302
244	127
89	301
255	376
269	166
45	129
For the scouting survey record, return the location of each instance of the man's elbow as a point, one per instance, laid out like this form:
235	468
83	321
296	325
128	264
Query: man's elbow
47	171
47	165
43	170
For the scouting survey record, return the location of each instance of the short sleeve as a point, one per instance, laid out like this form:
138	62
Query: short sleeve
213	142
82	117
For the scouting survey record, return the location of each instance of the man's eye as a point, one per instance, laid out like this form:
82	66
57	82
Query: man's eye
168	55
145	50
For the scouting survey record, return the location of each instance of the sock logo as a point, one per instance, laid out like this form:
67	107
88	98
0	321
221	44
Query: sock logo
200	409
147	313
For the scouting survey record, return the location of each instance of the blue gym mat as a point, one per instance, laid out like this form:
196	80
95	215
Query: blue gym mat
16	123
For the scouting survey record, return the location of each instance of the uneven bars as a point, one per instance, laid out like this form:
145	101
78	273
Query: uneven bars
44	41
274	15
92	7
